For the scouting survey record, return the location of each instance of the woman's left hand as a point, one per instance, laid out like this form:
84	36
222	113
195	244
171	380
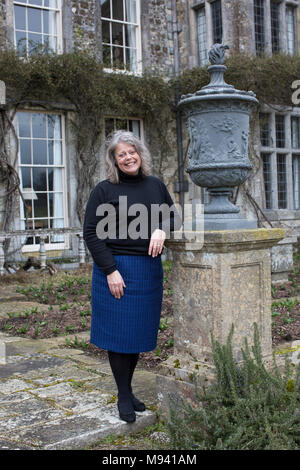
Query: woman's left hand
156	242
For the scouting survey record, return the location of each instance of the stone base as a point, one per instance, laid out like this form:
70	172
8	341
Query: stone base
229	224
222	282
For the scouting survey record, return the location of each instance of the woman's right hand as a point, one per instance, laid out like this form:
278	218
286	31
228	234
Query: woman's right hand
116	284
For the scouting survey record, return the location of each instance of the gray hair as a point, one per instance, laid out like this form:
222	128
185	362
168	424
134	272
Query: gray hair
129	138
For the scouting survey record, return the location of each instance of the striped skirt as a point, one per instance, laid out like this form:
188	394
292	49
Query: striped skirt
129	324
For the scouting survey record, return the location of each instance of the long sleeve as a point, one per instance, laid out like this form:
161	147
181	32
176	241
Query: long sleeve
98	248
170	219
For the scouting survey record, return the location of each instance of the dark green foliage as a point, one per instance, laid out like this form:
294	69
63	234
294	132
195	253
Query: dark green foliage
249	407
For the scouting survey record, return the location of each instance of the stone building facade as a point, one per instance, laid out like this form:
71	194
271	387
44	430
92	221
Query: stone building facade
168	36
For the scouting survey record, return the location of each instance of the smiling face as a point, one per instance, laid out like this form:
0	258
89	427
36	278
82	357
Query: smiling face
127	158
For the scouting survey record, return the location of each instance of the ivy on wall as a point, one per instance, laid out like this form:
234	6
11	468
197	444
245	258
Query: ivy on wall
79	79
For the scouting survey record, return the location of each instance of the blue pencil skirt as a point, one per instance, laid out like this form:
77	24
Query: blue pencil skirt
129	324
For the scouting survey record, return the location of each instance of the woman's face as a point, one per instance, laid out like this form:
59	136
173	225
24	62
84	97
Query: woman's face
127	158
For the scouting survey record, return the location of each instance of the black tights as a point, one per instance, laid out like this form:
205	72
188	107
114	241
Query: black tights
123	366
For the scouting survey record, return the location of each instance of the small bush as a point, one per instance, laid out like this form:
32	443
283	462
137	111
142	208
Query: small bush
249	408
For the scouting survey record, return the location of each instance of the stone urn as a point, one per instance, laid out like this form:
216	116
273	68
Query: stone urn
218	124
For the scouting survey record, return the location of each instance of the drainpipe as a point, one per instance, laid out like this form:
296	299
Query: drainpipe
179	185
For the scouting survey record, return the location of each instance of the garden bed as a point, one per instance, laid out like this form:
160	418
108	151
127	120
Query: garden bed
61	306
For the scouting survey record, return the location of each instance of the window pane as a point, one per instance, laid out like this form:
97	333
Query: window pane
57	179
130	36
105	8
134	126
34	40
107	56
201	36
50	3
118	12
26	177
264	123
295	131
40	206
25	151
20	17
121	124
106	32
39	153
117	34
36	2
39	125
131	63
130	13
296	180
118	57
275	26
266	158
280	131
39	179
24	124
49	22
259	26
57	210
34	20
216	11
281	182
21	43
291	30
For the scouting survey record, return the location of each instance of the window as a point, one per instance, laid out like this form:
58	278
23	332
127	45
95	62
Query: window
275	26
121	34
41	167
114	124
280	155
36	23
217	30
201	35
259	26
291	29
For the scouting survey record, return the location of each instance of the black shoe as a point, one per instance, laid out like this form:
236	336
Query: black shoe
126	411
137	404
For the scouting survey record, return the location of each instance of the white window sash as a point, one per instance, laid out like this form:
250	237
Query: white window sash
59	203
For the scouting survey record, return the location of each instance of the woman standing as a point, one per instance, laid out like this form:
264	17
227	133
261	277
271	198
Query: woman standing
127	282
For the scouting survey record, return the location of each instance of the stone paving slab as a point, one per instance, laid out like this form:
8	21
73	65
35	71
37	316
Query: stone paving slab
60	398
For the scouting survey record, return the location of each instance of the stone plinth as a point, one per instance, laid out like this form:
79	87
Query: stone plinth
222	282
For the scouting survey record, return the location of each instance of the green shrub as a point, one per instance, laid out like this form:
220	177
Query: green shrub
248	408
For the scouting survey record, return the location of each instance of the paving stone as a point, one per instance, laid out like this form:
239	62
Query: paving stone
82	430
14	385
54	390
34	363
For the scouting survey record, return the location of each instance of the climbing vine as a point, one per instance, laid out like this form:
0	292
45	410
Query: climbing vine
77	79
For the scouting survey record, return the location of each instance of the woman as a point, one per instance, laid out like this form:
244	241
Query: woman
127	277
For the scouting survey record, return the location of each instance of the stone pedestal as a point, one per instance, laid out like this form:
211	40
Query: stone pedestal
222	282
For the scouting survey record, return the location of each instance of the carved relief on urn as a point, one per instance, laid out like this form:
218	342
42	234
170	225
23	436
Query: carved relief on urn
218	125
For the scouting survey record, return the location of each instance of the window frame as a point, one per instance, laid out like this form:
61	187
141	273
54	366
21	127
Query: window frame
139	67
126	118
282	30
273	152
59	35
49	246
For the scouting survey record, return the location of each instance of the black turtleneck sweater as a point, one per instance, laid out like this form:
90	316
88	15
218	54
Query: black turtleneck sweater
147	190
